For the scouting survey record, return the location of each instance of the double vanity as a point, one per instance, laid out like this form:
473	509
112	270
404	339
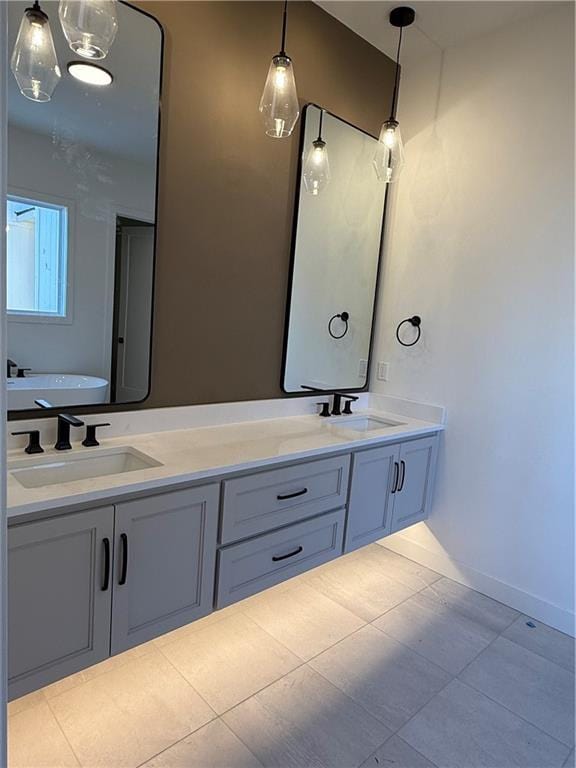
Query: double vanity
112	546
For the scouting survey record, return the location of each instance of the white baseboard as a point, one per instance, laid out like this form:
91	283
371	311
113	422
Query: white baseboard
532	606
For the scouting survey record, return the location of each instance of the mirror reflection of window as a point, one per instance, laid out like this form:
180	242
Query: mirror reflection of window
37	253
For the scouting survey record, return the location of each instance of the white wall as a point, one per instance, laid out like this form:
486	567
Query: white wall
480	243
97	187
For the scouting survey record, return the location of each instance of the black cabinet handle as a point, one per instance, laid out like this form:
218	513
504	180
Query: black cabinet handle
403	476
124	571
395	480
297	551
292	495
106	580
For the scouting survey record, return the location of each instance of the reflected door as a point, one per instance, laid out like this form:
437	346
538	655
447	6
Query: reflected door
134	307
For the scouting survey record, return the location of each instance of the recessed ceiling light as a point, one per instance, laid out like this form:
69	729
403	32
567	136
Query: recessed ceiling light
90	73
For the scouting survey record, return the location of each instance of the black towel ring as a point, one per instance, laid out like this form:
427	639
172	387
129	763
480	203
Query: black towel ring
344	316
416	323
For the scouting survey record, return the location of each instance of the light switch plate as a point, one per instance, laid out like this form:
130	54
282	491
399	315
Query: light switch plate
383	371
362	368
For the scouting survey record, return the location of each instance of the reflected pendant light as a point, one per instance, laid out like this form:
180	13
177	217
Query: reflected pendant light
279	103
317	168
34	61
389	156
89	26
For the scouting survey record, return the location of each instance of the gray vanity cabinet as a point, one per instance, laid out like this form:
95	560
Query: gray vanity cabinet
391	488
370	507
165	551
59	578
413	496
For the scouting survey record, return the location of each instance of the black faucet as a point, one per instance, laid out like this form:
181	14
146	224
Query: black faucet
65	421
9	365
337	403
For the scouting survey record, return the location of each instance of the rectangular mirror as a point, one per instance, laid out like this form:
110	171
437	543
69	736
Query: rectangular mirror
336	254
81	213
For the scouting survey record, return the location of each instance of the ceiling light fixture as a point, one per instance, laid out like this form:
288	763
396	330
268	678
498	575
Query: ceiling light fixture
34	61
89	26
92	74
279	102
317	168
389	156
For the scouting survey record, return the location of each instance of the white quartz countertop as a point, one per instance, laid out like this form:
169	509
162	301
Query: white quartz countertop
189	455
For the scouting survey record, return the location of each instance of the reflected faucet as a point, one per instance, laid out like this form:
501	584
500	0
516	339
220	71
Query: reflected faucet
9	365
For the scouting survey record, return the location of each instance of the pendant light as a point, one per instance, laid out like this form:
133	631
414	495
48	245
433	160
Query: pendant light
389	156
34	61
317	168
279	103
90	26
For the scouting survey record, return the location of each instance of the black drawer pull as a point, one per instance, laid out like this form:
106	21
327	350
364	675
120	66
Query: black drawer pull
124	571
292	495
395	481
106	579
297	551
403	476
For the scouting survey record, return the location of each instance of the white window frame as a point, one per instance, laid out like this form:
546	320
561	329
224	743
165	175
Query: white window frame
31	197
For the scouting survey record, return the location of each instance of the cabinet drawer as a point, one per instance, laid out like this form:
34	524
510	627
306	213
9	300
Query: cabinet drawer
268	500
254	565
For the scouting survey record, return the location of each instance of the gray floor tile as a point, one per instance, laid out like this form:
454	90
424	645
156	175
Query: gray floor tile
384	676
401	569
437	632
301	618
303	721
213	746
548	642
462	728
355	583
485	611
532	687
395	753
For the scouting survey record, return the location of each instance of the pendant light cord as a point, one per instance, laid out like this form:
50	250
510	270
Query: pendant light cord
396	79
320	125
284	20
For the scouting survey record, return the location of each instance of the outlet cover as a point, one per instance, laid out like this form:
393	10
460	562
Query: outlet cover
383	371
362	368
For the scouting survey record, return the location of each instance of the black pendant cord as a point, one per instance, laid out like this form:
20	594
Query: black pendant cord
320	126
396	79
284	22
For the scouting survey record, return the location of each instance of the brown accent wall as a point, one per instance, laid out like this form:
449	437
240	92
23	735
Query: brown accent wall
227	190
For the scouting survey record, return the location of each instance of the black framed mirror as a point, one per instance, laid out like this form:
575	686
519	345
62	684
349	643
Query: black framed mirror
338	226
81	213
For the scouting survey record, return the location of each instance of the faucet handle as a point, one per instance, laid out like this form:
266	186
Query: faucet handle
325	409
348	407
90	439
22	373
34	442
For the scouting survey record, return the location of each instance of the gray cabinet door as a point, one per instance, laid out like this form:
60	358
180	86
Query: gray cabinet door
165	552
59	603
374	473
414	494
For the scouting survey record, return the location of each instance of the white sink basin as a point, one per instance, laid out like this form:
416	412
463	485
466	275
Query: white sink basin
364	423
36	472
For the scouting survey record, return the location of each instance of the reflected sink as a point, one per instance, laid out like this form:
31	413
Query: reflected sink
364	423
51	470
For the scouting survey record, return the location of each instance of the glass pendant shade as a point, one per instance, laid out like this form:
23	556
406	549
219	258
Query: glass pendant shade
90	26
34	61
279	103
316	168
389	155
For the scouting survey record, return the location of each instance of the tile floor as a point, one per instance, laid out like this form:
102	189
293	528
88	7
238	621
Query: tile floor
369	661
